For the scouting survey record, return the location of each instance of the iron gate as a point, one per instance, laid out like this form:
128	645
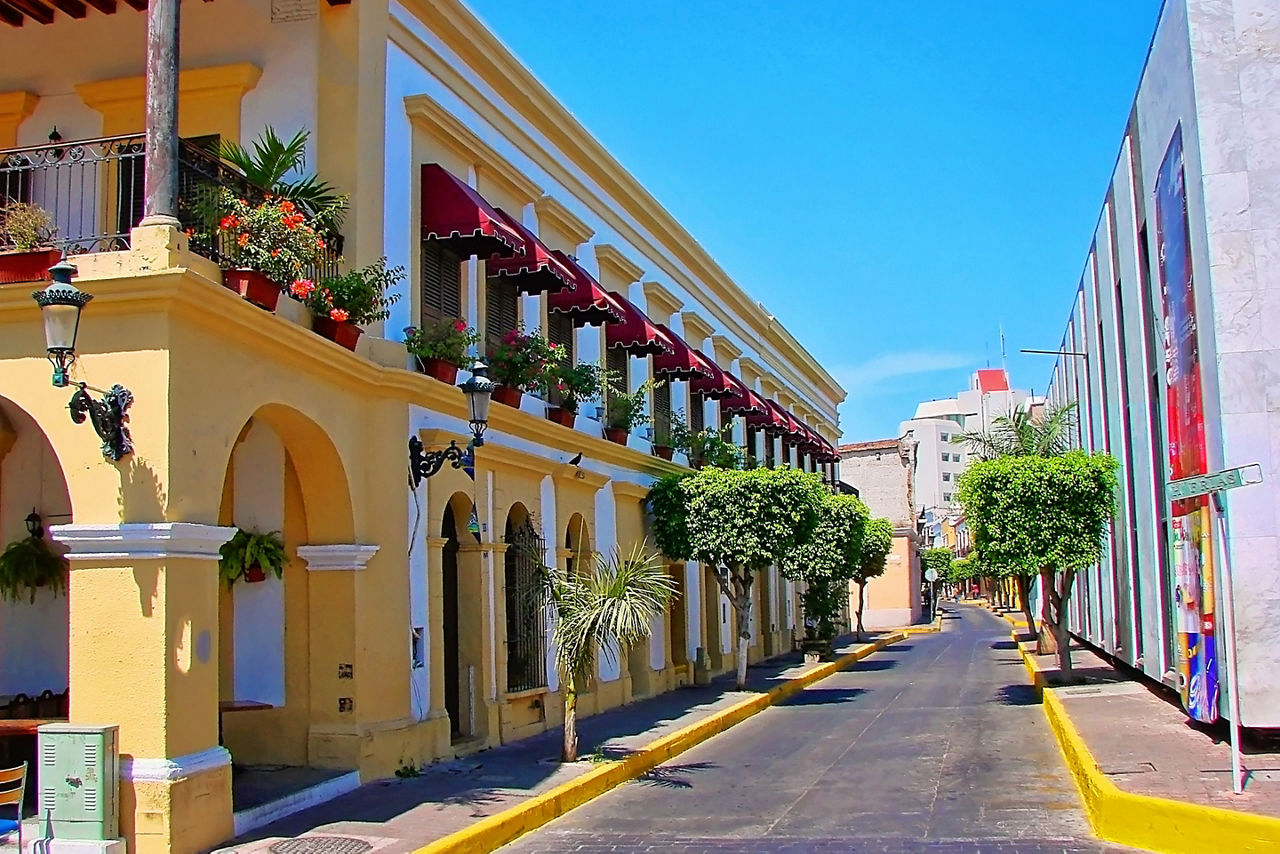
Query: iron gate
526	635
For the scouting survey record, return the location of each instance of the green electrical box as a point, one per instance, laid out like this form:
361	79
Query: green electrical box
79	778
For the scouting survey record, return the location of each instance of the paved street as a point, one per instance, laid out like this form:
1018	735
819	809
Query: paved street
934	744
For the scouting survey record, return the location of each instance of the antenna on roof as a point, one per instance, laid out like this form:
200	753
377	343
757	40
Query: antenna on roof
1003	366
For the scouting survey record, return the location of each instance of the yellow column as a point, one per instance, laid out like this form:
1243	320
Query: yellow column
143	654
476	639
437	714
14	108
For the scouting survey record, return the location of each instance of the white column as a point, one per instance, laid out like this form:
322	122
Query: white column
550	536
606	540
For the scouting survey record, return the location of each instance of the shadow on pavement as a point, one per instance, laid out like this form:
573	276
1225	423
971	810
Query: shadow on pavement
672	776
1017	695
870	665
824	696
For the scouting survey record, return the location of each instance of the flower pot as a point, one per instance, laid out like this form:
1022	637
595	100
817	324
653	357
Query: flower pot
254	574
560	415
27	265
341	332
616	434
439	369
508	395
253	286
664	451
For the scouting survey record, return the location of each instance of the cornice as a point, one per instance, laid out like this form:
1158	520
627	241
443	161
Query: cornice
236	78
336	557
726	350
751	369
665	302
578	476
142	540
631	490
427	113
612	260
551	212
16	106
696	330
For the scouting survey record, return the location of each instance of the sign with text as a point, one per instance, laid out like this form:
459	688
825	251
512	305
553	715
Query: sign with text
1203	484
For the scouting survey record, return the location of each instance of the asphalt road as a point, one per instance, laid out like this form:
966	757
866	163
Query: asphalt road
934	744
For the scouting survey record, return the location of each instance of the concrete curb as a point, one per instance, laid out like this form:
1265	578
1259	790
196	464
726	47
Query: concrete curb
1143	821
496	830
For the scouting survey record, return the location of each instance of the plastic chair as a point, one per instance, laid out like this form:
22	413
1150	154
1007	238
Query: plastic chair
13	786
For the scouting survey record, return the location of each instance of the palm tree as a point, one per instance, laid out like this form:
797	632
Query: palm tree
269	164
610	606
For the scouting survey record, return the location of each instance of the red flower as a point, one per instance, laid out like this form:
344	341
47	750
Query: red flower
460	326
302	288
287	206
228	222
338	314
319	244
243	239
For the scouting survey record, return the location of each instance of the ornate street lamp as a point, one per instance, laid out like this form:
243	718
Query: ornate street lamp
478	391
61	303
35	525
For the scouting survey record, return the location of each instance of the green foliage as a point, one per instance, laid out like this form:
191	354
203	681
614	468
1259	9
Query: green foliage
572	383
938	560
28	564
271	160
1019	434
962	569
521	359
877	542
624	410
710	446
829	560
670	508
823	601
272	237
447	339
246	549
24	226
359	296
1029	513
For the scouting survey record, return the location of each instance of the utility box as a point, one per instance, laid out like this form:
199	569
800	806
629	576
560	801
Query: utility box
79	778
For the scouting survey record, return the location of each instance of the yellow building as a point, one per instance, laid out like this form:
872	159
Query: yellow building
395	636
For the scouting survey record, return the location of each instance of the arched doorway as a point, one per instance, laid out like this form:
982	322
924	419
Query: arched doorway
452	685
526	623
577	544
678	621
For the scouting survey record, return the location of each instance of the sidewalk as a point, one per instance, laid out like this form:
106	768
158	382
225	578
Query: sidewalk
401	815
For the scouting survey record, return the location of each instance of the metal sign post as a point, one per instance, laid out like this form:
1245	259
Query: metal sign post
1214	485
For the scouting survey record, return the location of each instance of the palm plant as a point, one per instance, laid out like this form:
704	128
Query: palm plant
1020	434
269	164
610	606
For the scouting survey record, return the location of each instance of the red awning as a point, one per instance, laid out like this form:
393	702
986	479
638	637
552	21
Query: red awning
588	303
536	271
681	363
716	385
771	420
457	216
636	333
743	400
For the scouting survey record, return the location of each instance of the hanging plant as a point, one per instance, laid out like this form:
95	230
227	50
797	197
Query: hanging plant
27	565
251	556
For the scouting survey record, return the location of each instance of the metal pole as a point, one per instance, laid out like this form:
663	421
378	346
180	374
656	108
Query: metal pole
1228	623
161	178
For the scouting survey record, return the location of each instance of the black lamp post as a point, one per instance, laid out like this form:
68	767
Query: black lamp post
35	526
61	303
478	391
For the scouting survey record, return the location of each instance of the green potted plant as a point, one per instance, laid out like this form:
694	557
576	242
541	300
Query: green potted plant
441	347
671	435
271	244
26	243
251	556
714	447
624	411
342	304
27	565
518	363
567	386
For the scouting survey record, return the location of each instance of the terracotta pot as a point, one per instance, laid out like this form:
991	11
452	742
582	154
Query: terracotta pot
439	369
508	395
616	434
663	451
254	574
27	266
341	332
560	415
253	286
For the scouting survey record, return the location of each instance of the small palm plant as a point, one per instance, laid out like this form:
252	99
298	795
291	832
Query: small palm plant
270	160
610	606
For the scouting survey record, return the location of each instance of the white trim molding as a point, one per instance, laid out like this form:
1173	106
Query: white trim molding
336	557
142	540
164	770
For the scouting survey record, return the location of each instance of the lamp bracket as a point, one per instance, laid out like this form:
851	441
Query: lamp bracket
108	417
423	463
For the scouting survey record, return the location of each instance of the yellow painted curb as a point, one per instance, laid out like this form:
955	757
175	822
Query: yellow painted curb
497	830
927	628
1143	821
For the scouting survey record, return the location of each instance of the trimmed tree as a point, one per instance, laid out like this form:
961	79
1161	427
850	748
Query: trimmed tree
739	523
877	542
829	560
1046	515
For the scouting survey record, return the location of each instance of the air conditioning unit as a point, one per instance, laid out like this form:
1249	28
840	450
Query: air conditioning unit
79	778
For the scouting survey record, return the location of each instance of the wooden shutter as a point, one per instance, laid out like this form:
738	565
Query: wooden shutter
617	361
697	412
560	331
441	284
502	308
662	412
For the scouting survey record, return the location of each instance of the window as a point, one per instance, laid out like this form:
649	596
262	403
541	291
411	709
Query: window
618	362
697	412
560	331
440	289
662	414
946	457
946	496
752	433
946	437
770	460
526	638
946	477
502	312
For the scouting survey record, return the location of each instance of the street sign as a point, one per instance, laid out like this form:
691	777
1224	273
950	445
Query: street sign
1203	484
931	575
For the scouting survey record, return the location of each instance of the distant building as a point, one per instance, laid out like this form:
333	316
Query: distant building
882	471
939	461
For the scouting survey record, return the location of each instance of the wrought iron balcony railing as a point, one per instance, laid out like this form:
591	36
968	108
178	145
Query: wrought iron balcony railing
93	191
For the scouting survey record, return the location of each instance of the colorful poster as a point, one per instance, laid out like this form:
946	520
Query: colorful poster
1191	549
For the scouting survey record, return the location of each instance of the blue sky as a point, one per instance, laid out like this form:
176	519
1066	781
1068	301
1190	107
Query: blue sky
893	181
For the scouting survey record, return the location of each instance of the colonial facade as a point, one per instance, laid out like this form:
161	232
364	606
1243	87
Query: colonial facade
396	635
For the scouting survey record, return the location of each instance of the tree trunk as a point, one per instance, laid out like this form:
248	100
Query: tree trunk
862	598
569	749
743	605
1024	599
1061	632
1046	639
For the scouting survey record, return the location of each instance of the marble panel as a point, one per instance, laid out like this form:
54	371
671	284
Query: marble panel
1237	320
1246	440
1226	202
1231	255
1223	141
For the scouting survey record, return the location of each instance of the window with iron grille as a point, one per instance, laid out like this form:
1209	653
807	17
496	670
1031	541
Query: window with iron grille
697	412
560	331
526	637
502	309
440	287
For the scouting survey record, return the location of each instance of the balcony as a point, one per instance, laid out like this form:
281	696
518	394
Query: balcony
93	191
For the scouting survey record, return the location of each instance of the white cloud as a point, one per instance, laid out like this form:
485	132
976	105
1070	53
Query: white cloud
877	371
